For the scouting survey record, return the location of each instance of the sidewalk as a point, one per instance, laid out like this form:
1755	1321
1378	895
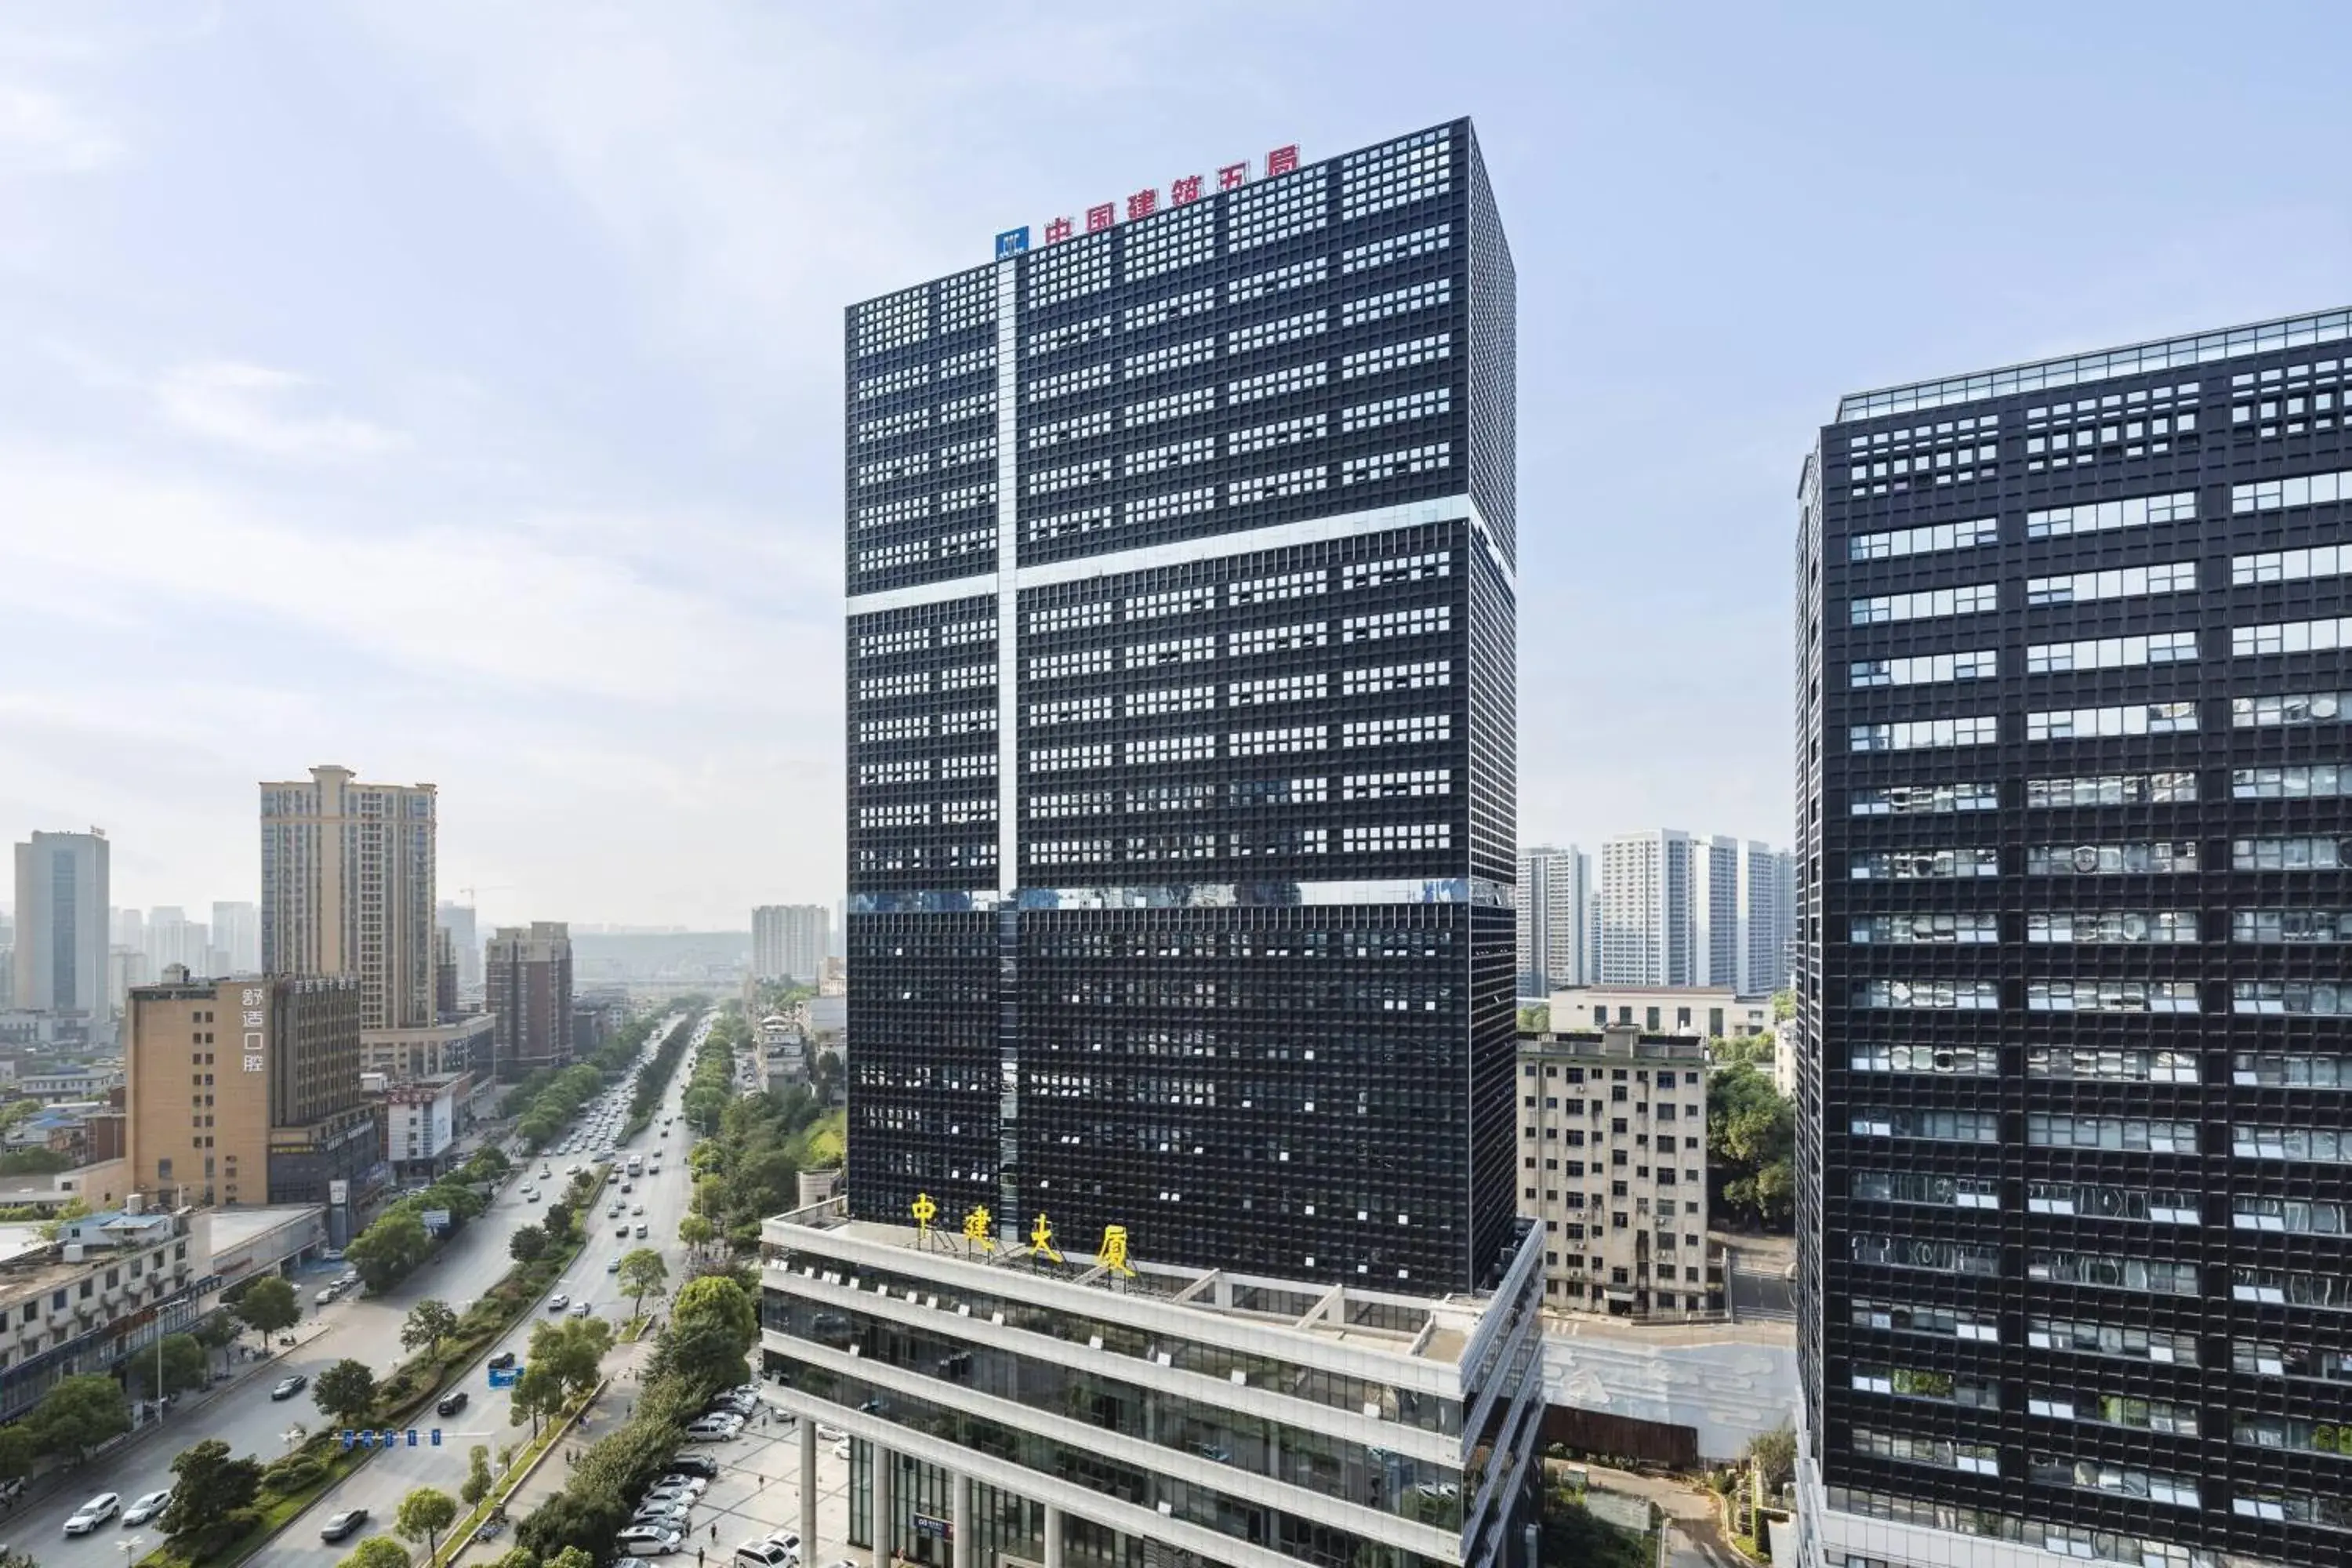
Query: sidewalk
39	1489
553	1473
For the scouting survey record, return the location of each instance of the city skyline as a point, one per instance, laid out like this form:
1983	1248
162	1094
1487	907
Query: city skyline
622	446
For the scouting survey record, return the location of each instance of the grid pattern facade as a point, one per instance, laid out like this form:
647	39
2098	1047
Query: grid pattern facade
2073	914
1181	728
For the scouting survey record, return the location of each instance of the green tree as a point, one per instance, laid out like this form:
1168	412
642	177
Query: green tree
186	1364
1774	1454
518	1557
269	1307
429	1322
557	1222
572	1351
643	1274
20	1450
527	1244
427	1511
538	1394
345	1391
478	1475
80	1413
389	1250
1534	1020
217	1330
488	1164
705	1356
572	1517
695	1231
376	1551
572	1557
1784	1006
208	1485
718	1302
1751	1133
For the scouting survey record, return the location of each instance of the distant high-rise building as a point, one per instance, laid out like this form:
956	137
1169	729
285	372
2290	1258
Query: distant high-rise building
173	938
466	941
2073	1161
789	941
1680	910
528	985
62	887
131	930
1768	917
1647	932
236	932
1550	899
445	972
347	877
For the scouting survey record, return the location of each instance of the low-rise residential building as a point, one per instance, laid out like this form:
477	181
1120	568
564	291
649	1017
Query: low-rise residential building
422	1121
1040	1409
67	1084
783	1051
455	1045
1613	1161
109	1285
1694	1011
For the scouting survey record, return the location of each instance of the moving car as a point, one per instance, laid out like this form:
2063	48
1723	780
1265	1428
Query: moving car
581	1308
288	1387
557	1302
764	1554
343	1524
151	1506
93	1514
641	1231
648	1540
611	1266
503	1360
637	1208
451	1403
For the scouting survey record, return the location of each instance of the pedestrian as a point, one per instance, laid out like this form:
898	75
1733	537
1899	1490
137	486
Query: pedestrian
714	1535
697	1557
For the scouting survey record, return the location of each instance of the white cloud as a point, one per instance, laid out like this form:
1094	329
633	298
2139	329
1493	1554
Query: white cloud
245	406
41	133
513	608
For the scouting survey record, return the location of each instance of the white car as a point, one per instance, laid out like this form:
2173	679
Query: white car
764	1554
841	1450
149	1506
712	1429
93	1514
648	1540
679	1482
829	1433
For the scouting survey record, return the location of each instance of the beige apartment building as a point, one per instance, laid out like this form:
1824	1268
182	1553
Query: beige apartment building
1613	1161
347	887
527	985
246	1091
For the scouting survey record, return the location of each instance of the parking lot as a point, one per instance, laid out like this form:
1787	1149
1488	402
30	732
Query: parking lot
756	1493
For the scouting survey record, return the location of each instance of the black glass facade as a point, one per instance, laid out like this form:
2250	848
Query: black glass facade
1182	730
2074	1186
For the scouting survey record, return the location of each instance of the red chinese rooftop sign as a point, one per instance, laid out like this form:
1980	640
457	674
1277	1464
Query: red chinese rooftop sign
1181	192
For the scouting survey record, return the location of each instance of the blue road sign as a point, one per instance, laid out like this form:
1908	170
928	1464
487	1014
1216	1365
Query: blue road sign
505	1376
412	1437
1012	242
436	1436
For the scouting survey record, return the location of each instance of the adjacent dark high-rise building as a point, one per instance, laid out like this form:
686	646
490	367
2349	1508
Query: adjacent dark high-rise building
2076	1171
1180	631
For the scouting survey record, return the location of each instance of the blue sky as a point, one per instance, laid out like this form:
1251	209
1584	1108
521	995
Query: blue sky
452	390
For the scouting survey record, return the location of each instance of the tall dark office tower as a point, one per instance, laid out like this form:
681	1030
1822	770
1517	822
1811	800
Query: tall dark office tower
2071	789
1181	727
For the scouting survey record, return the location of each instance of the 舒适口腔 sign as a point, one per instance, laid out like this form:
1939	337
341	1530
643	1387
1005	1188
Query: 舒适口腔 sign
1181	192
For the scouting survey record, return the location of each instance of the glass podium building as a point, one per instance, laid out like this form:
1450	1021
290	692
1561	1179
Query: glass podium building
1181	821
2075	1165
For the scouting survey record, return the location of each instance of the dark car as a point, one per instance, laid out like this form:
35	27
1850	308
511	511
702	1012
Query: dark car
343	1525
502	1360
288	1387
695	1465
451	1403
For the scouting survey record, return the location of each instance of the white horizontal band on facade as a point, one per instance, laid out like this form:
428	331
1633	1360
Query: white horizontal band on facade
1211	547
1209	1474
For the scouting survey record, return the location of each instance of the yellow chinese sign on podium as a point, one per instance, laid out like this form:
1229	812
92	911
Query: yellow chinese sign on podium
1113	1252
925	1211
1041	1239
976	1228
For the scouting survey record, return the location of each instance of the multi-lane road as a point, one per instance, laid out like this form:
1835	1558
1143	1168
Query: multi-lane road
367	1327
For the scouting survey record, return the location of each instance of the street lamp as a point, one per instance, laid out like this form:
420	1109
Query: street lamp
131	1546
292	1435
